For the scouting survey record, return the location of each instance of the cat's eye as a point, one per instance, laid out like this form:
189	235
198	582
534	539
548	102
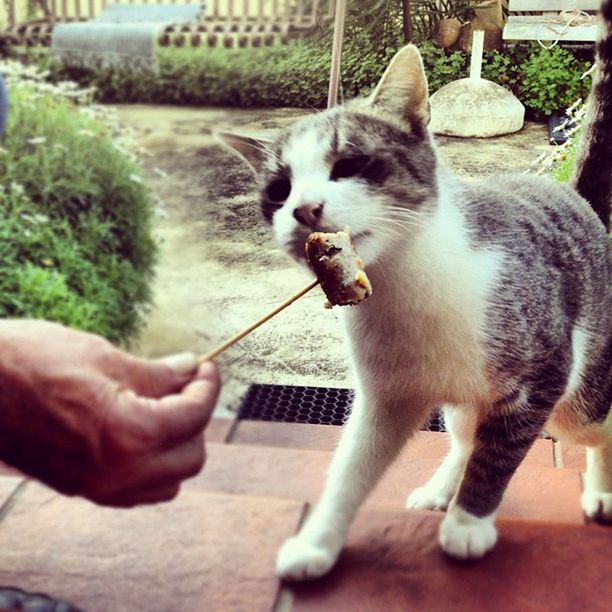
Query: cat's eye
349	166
279	189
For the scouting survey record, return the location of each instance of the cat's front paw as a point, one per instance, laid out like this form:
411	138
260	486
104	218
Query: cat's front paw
428	498
299	559
465	536
597	505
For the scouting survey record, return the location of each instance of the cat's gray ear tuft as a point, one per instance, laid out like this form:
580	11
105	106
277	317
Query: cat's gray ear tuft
403	90
250	148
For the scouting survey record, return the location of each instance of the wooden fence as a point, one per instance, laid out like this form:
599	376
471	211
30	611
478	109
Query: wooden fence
226	22
15	12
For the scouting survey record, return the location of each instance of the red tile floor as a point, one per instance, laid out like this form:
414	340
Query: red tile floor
213	548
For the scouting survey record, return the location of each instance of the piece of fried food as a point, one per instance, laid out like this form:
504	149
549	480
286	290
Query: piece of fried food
339	269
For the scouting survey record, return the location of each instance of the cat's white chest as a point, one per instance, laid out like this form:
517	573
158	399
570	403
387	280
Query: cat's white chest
422	331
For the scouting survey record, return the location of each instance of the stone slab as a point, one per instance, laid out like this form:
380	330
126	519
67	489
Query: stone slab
287	435
201	552
424	444
544	493
8	484
392	562
219	430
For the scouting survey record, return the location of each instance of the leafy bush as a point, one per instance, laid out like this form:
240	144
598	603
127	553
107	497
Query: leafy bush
505	68
47	291
297	74
75	233
294	75
443	66
551	80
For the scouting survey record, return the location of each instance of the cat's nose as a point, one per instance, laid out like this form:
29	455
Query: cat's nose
309	213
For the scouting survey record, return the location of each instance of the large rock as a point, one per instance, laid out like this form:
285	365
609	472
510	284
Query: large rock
475	108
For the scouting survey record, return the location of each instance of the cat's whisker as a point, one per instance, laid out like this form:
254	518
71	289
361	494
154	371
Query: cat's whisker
405	223
401	217
269	151
402	227
404	211
394	229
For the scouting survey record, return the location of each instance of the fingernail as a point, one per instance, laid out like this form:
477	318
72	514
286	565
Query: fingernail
181	363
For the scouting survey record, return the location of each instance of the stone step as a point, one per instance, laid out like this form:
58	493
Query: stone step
286	435
539	493
8	485
392	562
213	548
219	430
425	444
203	551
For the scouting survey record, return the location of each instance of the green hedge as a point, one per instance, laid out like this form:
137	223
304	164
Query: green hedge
75	219
293	75
297	75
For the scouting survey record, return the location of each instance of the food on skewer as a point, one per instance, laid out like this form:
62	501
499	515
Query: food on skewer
339	269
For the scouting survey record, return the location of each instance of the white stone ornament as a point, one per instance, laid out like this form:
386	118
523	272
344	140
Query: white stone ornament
475	107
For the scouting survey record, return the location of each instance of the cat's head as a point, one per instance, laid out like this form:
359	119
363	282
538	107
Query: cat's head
368	165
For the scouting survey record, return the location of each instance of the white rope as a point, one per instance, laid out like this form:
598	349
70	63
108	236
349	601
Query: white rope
567	19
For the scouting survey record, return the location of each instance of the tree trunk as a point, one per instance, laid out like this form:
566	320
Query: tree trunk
407	24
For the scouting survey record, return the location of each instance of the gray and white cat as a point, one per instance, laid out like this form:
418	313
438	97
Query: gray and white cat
491	299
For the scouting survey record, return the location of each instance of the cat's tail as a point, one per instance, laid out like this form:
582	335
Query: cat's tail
592	176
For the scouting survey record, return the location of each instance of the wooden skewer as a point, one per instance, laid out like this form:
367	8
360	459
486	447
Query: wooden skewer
245	332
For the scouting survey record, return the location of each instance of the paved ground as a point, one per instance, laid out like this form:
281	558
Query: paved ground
219	269
213	547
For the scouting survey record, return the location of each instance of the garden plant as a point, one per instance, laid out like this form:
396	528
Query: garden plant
75	217
296	75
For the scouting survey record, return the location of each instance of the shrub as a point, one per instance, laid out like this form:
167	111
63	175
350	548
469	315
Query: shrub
545	80
505	68
75	218
443	66
294	75
551	80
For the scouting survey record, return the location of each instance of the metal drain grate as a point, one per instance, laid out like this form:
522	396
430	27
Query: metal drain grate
315	405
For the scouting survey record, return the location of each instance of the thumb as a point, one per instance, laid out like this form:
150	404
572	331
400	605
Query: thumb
158	377
180	416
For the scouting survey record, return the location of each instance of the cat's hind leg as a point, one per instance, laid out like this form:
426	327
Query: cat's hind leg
460	423
597	494
503	437
572	423
371	439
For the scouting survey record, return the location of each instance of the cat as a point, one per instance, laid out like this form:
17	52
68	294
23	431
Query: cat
491	299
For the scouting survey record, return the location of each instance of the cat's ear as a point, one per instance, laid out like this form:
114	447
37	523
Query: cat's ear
403	90
252	149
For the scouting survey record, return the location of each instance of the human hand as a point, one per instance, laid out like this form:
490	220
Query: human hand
88	419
